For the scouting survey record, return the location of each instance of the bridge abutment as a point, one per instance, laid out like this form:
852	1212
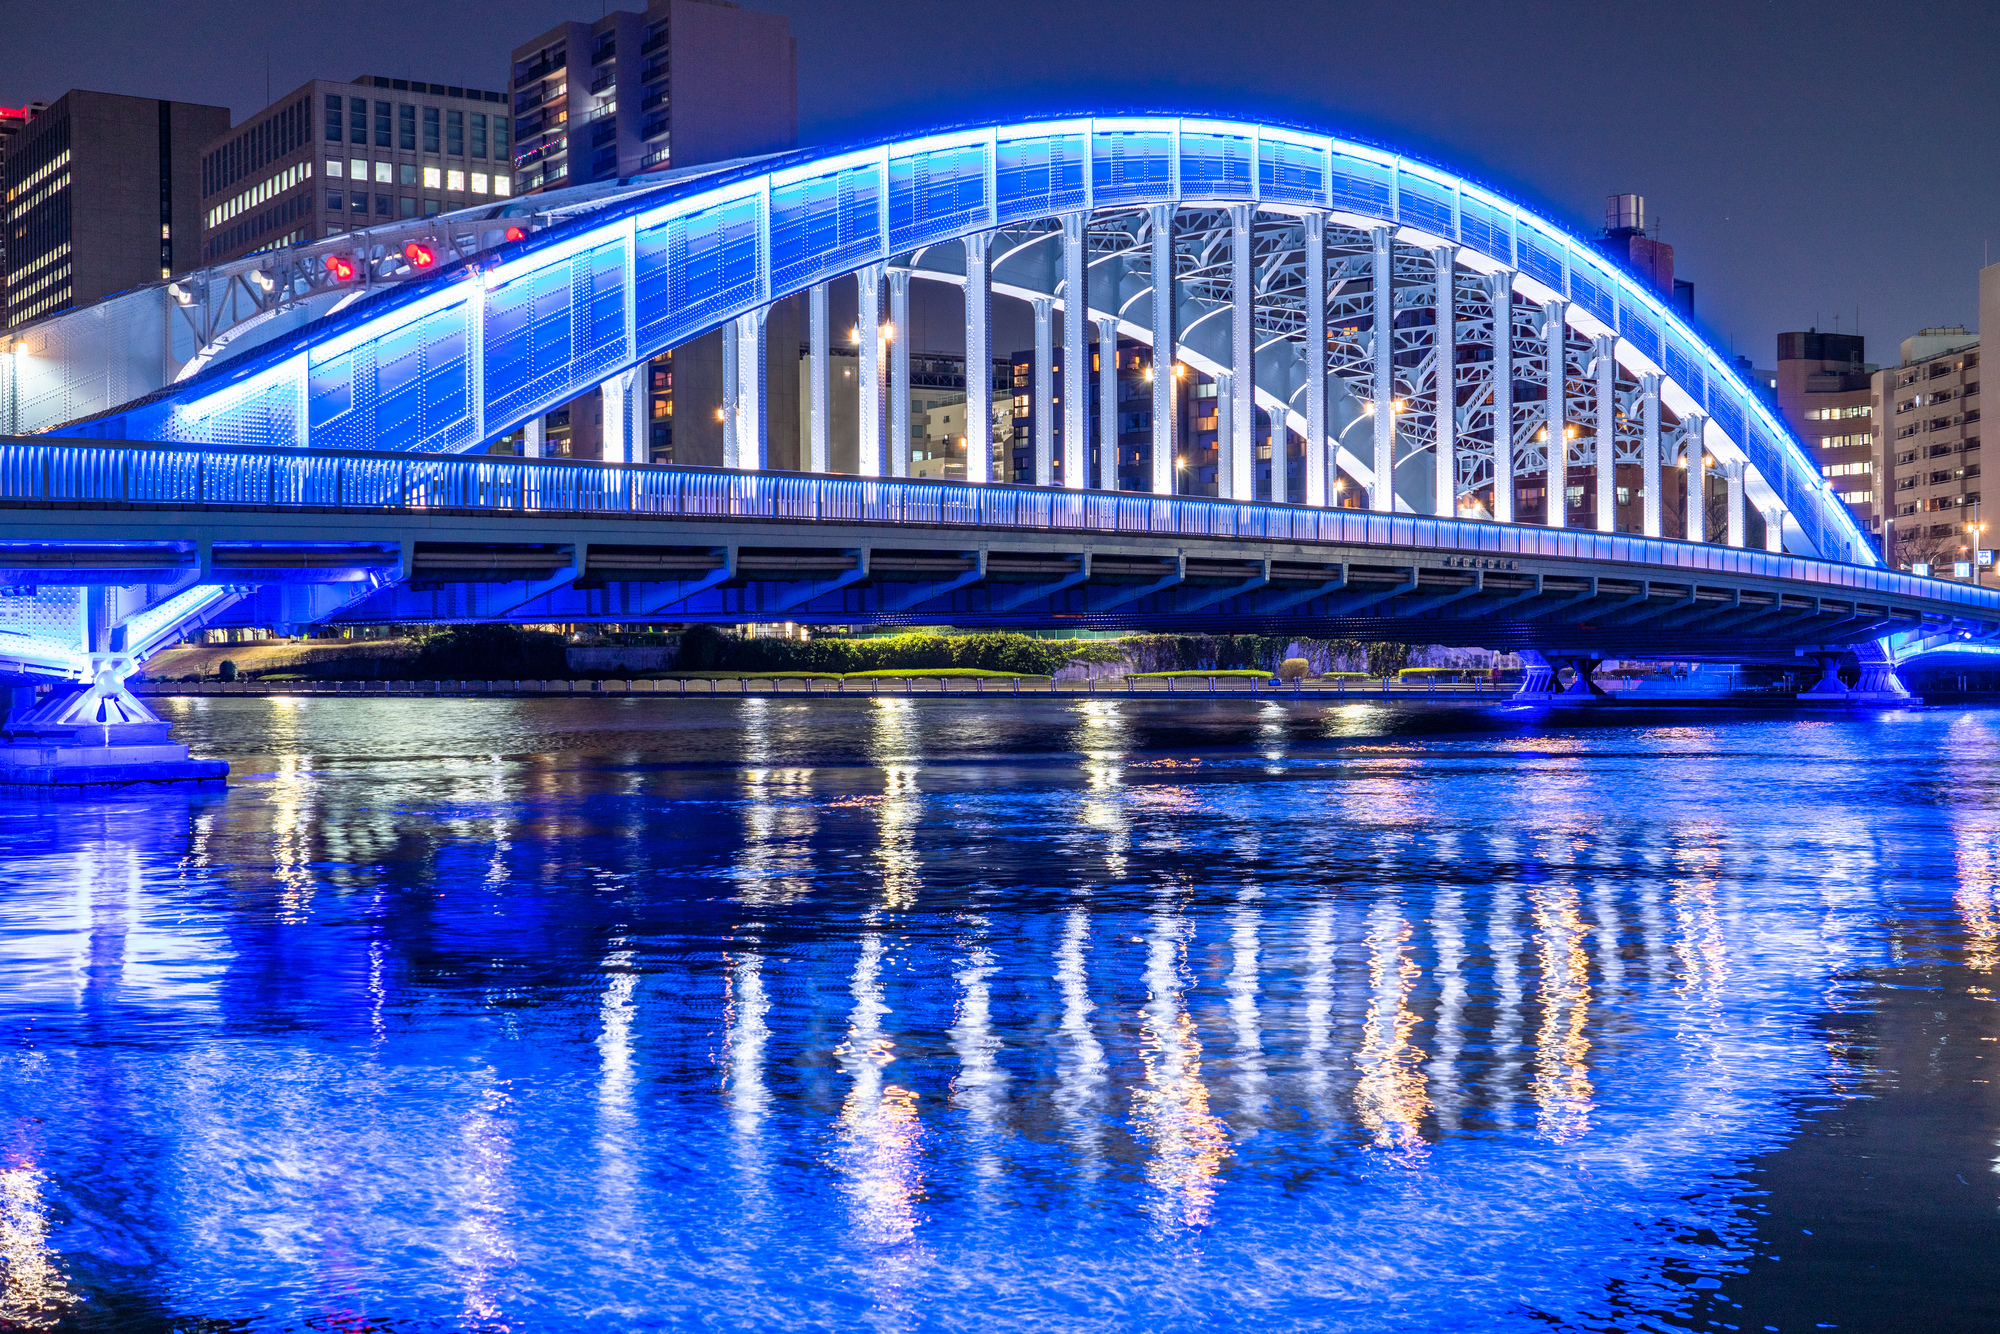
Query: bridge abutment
93	733
1877	687
1543	682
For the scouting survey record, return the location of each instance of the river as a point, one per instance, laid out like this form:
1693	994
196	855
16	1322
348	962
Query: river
610	1014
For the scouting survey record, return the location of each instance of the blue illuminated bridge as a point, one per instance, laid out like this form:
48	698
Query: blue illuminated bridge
284	441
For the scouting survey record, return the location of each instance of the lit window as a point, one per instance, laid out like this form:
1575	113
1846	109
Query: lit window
358	169
384	173
454	180
500	183
479	182
433	178
335	169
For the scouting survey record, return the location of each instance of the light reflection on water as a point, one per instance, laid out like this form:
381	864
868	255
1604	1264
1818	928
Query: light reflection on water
587	1014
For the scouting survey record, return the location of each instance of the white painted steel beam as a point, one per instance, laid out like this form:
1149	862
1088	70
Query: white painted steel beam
1107	403
819	393
1320	453
1076	355
868	384
1382	496
1738	531
753	436
1649	450
1045	391
1241	439
899	372
1500	290
1444	380
978	360
1606	457
1555	423
1164	435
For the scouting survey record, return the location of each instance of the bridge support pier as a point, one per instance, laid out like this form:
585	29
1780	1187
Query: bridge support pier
94	733
1543	683
1878	686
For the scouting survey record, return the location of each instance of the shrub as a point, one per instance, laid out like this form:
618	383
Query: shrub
228	670
484	652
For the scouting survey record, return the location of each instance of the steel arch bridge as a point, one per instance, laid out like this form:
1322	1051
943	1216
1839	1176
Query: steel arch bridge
1433	343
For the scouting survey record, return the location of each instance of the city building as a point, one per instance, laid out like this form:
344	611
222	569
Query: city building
682	83
103	194
12	121
1824	391
1926	418
1626	240
679	84
331	156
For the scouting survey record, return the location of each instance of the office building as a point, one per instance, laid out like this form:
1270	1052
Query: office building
333	156
103	195
1824	391
679	84
12	121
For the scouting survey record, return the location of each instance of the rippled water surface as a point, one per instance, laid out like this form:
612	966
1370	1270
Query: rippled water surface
960	1015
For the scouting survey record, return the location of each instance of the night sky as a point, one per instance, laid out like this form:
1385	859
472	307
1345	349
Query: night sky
1804	159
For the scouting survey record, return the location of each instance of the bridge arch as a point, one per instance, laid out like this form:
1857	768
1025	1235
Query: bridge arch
448	363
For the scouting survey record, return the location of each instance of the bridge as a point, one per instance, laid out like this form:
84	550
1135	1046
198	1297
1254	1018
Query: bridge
1444	377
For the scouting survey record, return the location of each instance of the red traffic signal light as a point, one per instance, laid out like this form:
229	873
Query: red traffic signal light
339	269
516	234
420	256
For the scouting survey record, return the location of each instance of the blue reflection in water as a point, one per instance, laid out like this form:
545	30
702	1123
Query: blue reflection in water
603	1014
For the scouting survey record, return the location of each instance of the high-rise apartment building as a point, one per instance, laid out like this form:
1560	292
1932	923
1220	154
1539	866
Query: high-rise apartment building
1926	410
682	83
679	84
103	194
332	156
1824	391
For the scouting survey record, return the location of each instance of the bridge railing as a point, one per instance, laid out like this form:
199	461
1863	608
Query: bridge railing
93	474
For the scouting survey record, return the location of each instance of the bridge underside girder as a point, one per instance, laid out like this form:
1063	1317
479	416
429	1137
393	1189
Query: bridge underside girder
458	571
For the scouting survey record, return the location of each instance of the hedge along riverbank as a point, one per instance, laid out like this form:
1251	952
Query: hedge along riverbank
707	648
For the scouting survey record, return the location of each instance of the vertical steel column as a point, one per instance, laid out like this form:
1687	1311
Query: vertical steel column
1045	390
1605	350
1382	495
1500	290
1229	465
729	413
868	387
1164	354
1444	381
753	436
1320	456
1241	440
534	436
1649	456
1107	403
1738	521
639	419
978	362
1555	412
1774	529
1076	355
611	410
1697	479
819	456
899	372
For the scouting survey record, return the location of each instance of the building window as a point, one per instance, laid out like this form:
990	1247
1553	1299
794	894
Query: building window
478	135
454	133
357	202
500	186
357	169
454	181
500	137
409	207
479	182
381	206
334	168
433	178
406	127
406	173
430	129
430	207
333	128
382	125
383	172
334	199
357	120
